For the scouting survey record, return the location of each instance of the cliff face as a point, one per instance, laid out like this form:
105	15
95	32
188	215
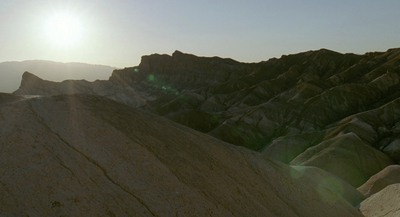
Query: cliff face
184	69
300	109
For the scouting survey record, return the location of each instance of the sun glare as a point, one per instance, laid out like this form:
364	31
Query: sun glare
63	29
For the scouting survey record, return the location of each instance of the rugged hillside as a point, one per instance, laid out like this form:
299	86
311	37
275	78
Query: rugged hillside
86	155
292	95
339	112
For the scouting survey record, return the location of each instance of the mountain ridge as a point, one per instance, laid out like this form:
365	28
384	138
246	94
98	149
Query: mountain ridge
11	71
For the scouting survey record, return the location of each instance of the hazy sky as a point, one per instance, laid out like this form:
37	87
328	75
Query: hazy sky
119	32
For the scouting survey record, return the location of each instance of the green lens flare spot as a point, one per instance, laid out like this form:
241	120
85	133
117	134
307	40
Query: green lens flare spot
326	187
151	78
297	171
136	70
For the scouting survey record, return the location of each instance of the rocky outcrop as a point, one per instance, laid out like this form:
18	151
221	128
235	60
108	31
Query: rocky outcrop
33	85
86	155
389	175
385	203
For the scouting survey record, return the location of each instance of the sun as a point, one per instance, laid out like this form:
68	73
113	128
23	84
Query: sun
63	29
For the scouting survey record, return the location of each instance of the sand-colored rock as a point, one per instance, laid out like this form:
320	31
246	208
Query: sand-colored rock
346	156
84	155
389	175
385	203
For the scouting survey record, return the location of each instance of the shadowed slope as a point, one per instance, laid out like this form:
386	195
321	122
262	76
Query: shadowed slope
84	155
6	98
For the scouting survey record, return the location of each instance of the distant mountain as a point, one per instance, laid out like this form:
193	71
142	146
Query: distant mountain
10	72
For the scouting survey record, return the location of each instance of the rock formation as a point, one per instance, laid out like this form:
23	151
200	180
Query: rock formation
317	109
385	203
86	155
295	94
389	175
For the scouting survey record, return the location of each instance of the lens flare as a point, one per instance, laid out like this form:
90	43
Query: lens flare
332	186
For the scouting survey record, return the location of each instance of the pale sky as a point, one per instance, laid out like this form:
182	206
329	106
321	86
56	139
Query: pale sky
119	32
